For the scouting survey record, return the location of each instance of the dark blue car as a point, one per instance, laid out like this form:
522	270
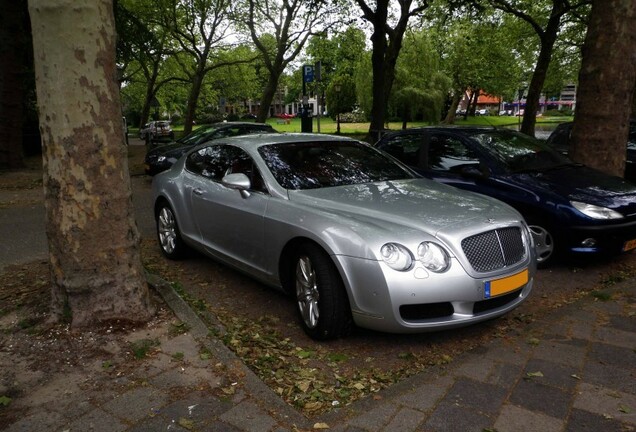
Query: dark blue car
570	208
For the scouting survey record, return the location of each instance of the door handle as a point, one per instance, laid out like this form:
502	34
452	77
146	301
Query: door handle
197	191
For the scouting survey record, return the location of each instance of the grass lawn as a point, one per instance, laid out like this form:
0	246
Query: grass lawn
329	126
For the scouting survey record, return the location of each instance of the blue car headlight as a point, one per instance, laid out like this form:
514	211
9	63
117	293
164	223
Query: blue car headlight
433	257
396	256
596	212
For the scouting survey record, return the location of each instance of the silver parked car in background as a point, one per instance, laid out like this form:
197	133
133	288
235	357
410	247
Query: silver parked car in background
354	235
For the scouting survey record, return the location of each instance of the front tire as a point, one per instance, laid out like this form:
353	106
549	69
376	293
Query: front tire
320	295
168	233
544	244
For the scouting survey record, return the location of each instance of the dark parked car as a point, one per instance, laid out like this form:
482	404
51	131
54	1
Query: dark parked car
353	235
560	140
161	158
570	208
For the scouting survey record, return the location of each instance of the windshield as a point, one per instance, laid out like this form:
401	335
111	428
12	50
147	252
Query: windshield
324	164
195	136
520	152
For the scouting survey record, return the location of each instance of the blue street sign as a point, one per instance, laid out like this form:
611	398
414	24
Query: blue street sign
308	73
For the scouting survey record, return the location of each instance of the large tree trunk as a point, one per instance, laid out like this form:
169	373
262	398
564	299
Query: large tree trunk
94	253
606	81
12	70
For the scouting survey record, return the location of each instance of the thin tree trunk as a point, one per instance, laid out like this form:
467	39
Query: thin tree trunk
535	89
268	97
607	77
94	253
450	115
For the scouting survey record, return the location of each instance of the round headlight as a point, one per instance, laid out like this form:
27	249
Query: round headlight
396	256
596	212
433	257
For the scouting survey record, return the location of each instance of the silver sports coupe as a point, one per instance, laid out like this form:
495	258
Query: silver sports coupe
354	235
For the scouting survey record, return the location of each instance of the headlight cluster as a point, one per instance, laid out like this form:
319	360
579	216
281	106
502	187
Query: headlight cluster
596	212
431	255
161	158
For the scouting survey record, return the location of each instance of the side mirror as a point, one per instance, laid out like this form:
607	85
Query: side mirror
238	181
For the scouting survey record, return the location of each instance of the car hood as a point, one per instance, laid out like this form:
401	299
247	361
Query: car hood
419	204
581	183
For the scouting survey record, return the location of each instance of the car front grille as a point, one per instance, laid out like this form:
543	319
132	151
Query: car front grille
494	249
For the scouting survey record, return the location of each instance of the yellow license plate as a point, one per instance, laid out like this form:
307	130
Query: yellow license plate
629	245
497	287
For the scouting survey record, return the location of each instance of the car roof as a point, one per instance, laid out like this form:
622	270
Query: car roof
447	128
253	141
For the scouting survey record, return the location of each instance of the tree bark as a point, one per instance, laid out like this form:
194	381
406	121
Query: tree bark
533	99
268	96
12	70
96	270
606	83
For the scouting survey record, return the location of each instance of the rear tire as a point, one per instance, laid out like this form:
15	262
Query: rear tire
321	298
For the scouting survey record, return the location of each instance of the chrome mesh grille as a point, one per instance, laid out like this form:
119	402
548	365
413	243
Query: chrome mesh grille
495	249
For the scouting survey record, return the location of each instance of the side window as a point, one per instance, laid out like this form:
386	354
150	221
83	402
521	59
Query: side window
210	162
447	153
217	161
405	148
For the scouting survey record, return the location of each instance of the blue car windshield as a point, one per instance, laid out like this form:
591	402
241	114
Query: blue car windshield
311	165
195	137
519	152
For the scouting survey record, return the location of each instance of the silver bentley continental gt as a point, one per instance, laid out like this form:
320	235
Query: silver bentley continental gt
353	234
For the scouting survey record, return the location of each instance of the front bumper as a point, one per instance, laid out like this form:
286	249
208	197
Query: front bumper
600	239
418	300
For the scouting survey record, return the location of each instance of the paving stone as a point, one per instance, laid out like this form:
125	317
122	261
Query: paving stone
374	419
534	396
513	353
137	403
606	402
183	344
97	421
185	377
405	420
449	417
622	322
40	421
613	336
567	354
425	396
610	376
515	419
584	421
505	374
249	417
482	397
611	354
554	374
476	367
